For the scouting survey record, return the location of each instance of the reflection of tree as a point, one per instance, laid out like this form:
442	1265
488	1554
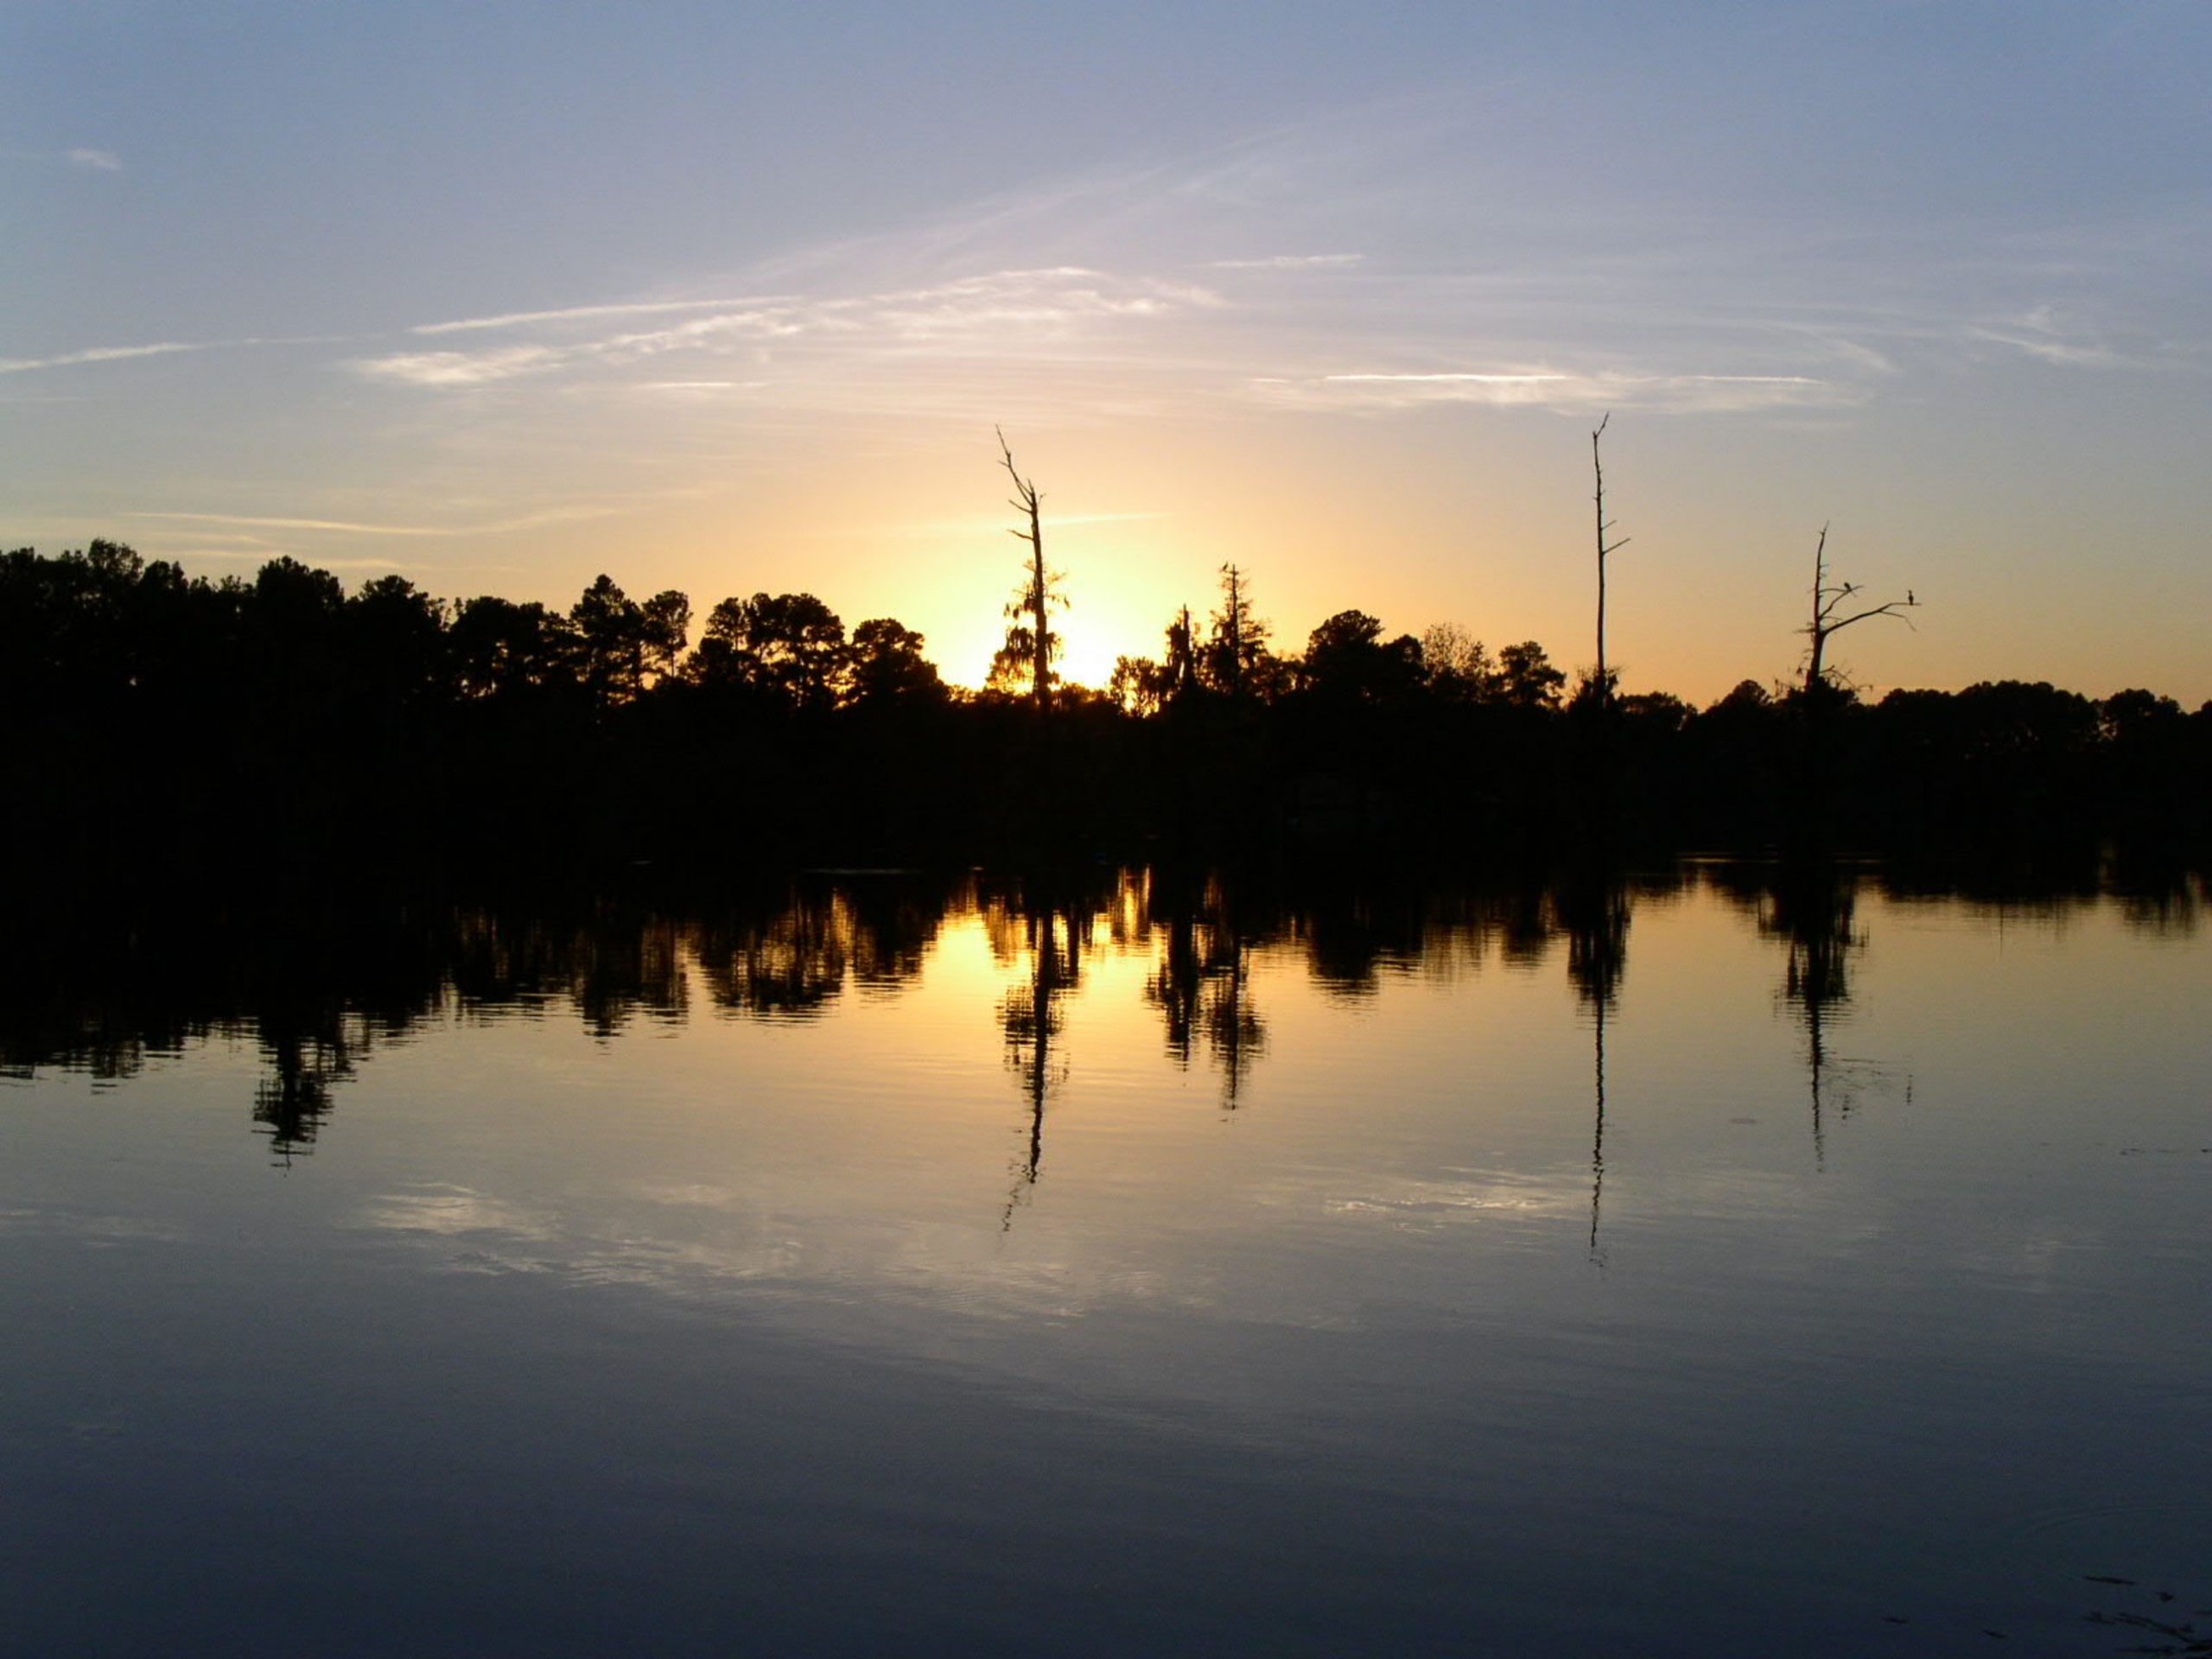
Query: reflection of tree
316	987
894	923
2158	899
1811	908
790	955
624	963
1592	908
1056	931
1234	1033
1352	935
1174	986
1524	930
789	964
1202	986
292	1101
608	961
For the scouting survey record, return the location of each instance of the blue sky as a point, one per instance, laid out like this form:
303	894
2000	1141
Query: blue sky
728	298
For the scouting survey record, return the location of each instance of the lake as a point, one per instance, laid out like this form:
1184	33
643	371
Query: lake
1716	1260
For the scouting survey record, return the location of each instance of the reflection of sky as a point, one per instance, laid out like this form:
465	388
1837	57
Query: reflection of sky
732	302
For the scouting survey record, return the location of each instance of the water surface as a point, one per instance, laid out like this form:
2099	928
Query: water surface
1716	1261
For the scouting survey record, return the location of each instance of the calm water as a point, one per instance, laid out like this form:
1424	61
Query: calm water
1710	1265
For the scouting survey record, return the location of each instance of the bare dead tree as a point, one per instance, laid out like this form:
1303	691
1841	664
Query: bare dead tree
1831	617
1034	601
1604	551
1835	606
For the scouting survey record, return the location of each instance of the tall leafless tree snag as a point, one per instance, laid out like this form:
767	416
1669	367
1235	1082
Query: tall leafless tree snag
1035	599
1830	618
1605	550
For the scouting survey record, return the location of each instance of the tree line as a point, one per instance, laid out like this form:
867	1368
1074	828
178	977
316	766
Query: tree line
155	715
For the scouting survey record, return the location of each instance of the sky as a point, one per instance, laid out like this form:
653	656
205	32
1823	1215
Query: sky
731	298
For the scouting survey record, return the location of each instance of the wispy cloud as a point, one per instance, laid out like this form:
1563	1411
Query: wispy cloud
2053	351
1547	320
562	515
1007	313
2037	333
588	313
97	161
461	368
1289	262
980	526
1557	389
1442	380
97	354
158	348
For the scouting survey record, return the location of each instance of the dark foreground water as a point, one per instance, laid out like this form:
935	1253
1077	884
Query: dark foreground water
1719	1264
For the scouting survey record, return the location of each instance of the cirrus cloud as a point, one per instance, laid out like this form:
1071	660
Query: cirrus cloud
1002	312
1557	389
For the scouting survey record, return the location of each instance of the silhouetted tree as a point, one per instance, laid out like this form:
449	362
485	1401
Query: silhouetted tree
1347	660
1030	641
500	648
625	646
1602	681
1526	677
1135	686
1830	616
399	650
789	648
1457	666
1235	657
889	669
1180	667
281	714
288	593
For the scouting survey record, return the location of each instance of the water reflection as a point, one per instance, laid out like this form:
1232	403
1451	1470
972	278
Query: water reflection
1592	909
935	1232
1202	984
1811	908
319	992
1052	927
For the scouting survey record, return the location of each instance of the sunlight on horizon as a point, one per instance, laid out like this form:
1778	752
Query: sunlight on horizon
1117	572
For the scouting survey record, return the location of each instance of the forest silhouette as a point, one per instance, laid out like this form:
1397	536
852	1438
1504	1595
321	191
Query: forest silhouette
159	720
